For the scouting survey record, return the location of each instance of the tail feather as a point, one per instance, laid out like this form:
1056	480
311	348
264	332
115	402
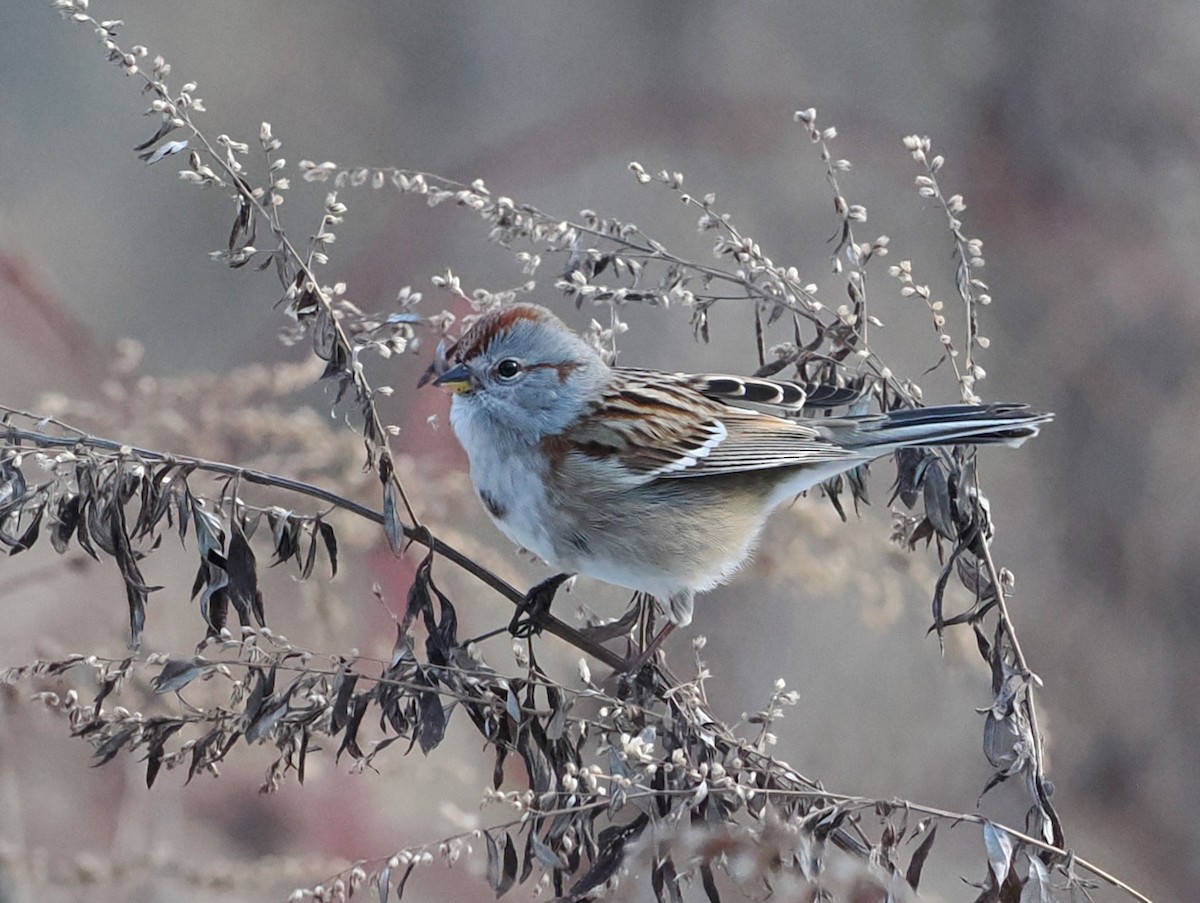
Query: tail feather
959	424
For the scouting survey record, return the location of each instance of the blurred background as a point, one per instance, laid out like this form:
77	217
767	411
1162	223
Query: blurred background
1072	128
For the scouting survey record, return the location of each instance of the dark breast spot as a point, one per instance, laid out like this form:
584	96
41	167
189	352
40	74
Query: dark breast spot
495	509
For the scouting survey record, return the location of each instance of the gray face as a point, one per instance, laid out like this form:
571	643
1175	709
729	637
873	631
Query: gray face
529	377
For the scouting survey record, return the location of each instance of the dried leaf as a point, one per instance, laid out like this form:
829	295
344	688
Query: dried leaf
612	842
164	129
913	874
268	717
243	577
242	232
432	727
310	558
508	876
383	883
342	691
999	848
156	736
1038	888
327	535
136	590
285	532
494	874
546	856
664	880
937	501
177	673
531	744
29	537
353	721
391	522
709	883
112	745
67	516
404	880
560	708
163	151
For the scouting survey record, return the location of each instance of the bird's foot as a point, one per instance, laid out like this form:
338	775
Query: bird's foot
534	609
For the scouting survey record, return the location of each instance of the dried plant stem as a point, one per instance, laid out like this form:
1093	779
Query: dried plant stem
974	818
1010	633
839	346
304	264
419	535
180	111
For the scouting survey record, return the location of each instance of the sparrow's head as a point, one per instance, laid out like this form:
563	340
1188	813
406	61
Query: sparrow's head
521	368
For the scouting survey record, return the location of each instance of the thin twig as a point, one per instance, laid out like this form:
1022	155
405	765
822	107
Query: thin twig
181	112
419	535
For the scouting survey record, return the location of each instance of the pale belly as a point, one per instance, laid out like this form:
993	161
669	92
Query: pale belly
598	540
657	538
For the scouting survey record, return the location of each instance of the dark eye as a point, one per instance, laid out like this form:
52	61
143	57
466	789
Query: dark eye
508	368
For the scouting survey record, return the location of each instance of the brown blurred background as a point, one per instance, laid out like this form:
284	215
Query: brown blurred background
1071	127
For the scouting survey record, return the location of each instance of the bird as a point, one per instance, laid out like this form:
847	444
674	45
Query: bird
654	481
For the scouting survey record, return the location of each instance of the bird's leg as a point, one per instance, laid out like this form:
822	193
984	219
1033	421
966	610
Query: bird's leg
533	610
650	649
646	629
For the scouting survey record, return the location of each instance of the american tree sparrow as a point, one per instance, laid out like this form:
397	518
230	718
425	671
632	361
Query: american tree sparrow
659	482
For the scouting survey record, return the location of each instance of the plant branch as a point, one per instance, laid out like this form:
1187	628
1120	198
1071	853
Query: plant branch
420	535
